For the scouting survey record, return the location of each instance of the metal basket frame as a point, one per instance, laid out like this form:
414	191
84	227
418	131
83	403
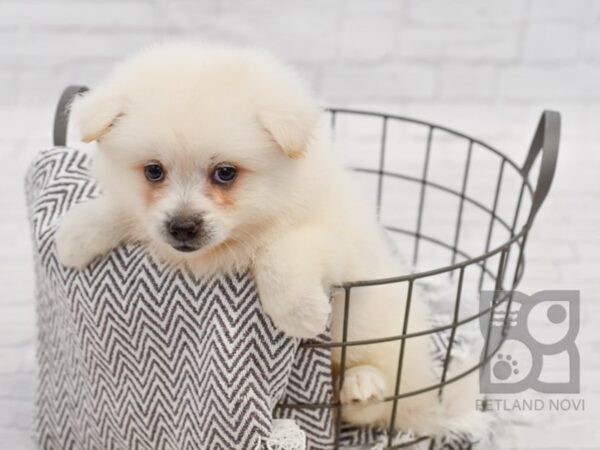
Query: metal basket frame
545	143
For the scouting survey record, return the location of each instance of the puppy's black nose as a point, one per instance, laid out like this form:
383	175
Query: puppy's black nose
184	228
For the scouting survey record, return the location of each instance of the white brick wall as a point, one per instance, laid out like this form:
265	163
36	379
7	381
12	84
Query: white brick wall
488	68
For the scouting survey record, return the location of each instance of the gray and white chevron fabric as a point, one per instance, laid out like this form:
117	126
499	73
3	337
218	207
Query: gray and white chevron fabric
134	355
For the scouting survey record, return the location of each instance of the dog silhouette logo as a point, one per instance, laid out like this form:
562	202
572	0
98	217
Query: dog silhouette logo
537	330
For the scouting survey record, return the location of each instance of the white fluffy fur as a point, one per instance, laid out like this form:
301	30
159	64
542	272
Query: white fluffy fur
294	218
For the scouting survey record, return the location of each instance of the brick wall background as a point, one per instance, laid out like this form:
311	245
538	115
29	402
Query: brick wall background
487	68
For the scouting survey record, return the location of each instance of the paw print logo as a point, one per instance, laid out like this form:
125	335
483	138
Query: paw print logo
505	366
536	328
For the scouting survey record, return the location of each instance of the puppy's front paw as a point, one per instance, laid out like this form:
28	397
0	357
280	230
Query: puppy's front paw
362	384
298	313
81	236
73	244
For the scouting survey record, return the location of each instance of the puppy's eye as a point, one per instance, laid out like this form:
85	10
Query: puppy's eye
224	174
154	172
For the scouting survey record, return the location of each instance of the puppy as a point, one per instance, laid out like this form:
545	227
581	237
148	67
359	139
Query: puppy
213	158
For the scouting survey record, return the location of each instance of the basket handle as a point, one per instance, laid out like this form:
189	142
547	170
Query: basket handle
61	116
545	140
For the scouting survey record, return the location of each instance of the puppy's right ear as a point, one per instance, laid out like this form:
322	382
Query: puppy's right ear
96	111
290	129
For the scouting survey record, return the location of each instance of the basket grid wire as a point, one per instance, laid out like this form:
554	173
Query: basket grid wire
546	138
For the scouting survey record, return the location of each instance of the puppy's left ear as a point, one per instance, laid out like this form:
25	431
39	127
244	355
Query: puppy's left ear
97	111
291	127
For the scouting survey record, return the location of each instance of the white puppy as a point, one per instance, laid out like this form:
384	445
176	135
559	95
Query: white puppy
212	158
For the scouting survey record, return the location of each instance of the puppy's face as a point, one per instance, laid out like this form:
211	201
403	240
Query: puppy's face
201	157
196	184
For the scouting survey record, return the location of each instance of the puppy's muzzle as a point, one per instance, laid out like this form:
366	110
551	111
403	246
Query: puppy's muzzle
185	232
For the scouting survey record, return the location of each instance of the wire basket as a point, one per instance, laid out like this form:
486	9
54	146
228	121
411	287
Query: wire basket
462	208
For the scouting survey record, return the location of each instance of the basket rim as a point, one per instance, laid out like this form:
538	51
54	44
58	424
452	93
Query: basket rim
346	285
